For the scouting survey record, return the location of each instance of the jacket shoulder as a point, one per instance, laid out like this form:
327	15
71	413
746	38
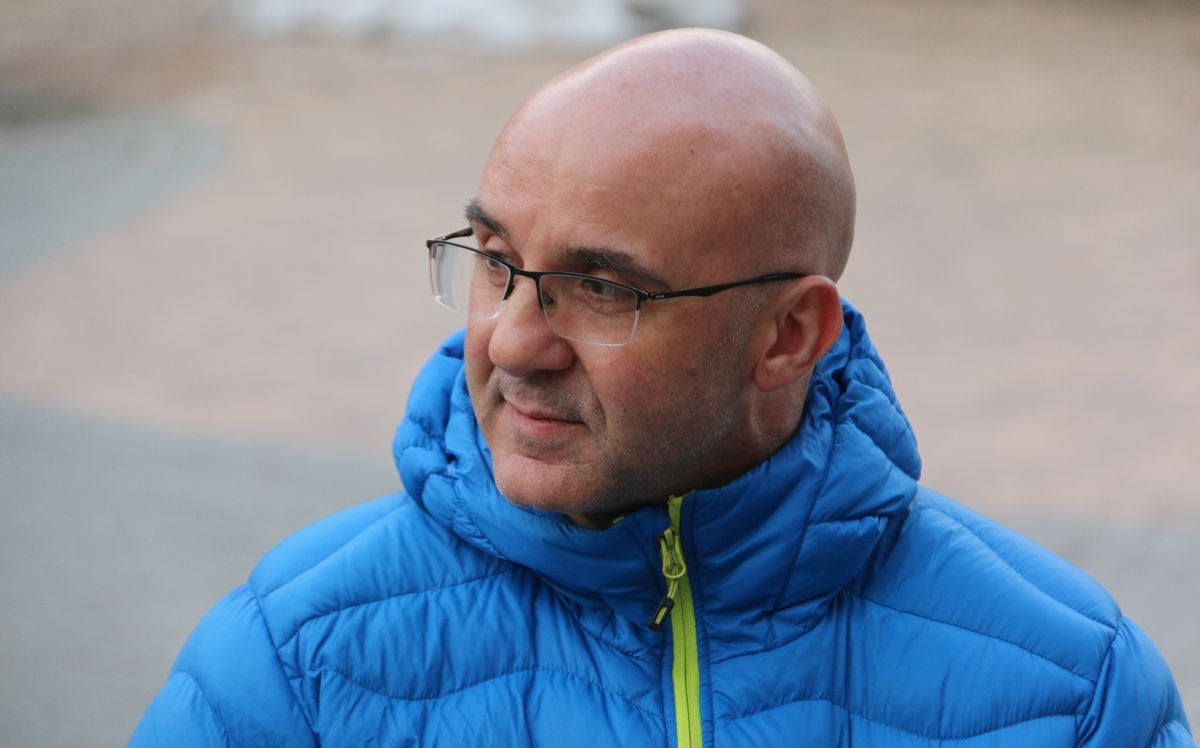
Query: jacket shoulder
945	563
1025	636
386	549
246	674
307	548
961	546
227	663
232	659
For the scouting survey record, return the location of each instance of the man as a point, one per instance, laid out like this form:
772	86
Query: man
661	492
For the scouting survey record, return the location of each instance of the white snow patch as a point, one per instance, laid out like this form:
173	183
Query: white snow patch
503	23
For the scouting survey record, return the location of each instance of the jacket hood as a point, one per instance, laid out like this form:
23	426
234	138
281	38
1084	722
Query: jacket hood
766	551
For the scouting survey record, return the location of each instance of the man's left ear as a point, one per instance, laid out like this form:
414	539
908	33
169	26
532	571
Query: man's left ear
805	321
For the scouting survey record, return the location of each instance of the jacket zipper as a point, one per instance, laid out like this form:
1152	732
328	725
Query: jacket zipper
685	662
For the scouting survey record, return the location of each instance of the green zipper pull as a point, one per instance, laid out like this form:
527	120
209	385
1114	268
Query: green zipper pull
673	568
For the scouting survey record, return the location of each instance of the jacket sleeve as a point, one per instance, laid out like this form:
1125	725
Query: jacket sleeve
227	687
1136	703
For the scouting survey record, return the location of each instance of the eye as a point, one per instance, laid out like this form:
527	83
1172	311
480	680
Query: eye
599	290
600	296
492	269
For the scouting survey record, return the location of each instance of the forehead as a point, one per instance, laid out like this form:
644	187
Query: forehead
666	198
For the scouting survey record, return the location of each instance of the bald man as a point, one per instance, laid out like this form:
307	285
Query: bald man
660	492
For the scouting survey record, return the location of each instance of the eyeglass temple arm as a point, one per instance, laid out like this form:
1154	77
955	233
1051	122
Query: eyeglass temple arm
452	235
710	290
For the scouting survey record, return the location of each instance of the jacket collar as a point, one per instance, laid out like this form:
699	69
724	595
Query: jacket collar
765	552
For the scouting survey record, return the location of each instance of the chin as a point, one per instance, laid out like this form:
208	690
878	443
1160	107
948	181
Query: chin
529	497
541	487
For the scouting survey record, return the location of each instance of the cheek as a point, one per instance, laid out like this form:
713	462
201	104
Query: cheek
632	393
691	370
475	354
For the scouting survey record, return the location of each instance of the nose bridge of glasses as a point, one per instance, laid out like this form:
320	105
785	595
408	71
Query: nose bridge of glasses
544	302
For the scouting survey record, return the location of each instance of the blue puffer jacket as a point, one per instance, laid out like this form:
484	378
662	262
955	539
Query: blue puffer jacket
827	600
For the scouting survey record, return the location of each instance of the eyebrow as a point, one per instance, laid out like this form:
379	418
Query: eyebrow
619	262
604	258
475	213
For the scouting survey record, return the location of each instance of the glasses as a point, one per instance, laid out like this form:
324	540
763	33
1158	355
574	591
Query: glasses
577	306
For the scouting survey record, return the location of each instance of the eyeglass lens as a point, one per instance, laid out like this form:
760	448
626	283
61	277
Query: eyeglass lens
583	309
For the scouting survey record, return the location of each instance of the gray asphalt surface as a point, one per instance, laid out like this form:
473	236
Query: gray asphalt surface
212	295
116	540
61	163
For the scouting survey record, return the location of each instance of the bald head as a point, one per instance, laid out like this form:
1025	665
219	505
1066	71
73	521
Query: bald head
715	133
676	162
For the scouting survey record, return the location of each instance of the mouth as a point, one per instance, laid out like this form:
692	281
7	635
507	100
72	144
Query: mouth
538	413
539	422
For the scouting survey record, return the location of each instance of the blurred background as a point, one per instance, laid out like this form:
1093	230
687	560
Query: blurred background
213	290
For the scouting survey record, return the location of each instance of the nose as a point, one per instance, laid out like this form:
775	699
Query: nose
521	341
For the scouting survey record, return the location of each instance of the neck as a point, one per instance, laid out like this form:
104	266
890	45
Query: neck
593	521
776	417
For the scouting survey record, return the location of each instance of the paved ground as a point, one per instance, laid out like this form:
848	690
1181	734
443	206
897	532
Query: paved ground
212	295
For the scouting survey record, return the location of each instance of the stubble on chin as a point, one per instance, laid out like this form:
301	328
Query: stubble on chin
577	482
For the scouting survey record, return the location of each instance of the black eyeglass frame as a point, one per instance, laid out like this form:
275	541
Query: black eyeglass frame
536	275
